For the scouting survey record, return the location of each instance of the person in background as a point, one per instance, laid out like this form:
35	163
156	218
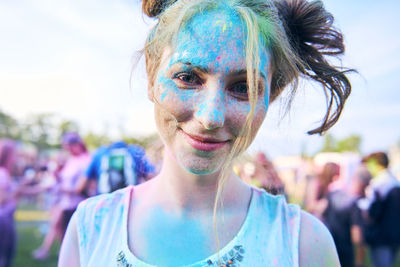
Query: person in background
382	211
48	186
261	173
318	188
8	203
267	173
117	166
357	187
344	221
73	169
70	195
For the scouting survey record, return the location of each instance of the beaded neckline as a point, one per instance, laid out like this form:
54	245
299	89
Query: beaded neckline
231	259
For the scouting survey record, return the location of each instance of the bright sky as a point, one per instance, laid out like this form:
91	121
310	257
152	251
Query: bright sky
75	58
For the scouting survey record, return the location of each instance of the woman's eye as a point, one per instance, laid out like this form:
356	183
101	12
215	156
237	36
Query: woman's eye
188	78
240	91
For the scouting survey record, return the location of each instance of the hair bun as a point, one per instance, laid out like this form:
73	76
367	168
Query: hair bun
310	28
153	8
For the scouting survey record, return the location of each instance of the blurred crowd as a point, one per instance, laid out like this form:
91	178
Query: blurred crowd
57	181
356	197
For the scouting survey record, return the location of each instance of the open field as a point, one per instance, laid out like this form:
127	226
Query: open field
29	239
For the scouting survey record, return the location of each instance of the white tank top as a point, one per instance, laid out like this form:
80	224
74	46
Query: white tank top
269	235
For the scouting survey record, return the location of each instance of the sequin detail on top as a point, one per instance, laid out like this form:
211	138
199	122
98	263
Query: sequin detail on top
231	259
122	261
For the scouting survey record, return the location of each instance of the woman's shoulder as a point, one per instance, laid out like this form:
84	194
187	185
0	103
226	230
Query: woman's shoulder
276	213
276	225
95	217
316	245
104	204
276	204
308	235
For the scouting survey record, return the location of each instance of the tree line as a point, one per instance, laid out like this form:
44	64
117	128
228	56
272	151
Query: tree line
45	130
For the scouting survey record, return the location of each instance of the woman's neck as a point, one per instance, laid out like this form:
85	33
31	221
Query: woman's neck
187	192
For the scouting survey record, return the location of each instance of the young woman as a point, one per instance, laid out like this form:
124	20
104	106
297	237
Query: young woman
69	196
318	189
214	66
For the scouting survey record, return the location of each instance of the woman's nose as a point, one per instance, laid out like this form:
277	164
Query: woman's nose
210	111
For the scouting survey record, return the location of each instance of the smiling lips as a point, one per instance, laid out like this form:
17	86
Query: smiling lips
204	143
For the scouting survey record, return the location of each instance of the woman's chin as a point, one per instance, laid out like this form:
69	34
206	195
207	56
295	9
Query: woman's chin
198	171
200	166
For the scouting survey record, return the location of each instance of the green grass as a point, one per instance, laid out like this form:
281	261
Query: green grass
29	239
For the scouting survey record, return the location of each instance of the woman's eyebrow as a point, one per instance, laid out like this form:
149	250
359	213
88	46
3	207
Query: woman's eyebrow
192	66
244	72
205	69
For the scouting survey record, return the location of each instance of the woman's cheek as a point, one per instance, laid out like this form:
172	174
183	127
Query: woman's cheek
175	101
239	111
259	116
261	111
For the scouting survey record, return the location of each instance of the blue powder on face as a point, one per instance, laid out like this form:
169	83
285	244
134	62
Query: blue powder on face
217	44
214	108
210	48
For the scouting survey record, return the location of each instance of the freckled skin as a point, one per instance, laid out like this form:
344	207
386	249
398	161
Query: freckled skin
213	45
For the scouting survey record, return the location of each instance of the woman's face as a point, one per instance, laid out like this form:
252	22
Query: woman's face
200	91
73	149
